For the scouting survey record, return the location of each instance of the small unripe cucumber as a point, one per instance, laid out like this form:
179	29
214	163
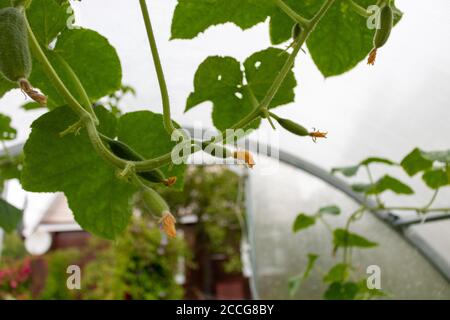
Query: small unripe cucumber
15	58
385	27
293	127
123	151
154	202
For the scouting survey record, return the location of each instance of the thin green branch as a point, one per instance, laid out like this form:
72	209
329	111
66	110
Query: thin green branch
291	13
158	67
372	182
265	103
51	73
319	15
358	9
424	209
86	102
353	217
84	115
433	198
255	104
325	223
416	209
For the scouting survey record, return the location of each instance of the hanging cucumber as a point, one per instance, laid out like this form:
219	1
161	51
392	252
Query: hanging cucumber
158	206
15	58
386	22
123	151
298	129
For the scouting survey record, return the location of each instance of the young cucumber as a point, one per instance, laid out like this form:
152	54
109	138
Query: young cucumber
293	127
385	27
15	58
158	206
154	202
383	31
123	151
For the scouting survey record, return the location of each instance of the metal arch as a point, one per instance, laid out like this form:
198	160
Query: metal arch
398	224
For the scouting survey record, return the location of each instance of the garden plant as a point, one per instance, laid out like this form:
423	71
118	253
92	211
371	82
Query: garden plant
102	158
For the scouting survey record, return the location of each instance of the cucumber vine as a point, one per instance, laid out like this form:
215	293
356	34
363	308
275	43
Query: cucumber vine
101	159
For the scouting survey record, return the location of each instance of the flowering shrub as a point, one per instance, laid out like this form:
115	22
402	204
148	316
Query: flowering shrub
15	280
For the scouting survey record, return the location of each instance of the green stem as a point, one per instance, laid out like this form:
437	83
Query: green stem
372	181
425	209
433	197
51	73
158	67
358	9
347	228
291	13
325	223
319	15
86	102
417	209
84	115
255	104
283	72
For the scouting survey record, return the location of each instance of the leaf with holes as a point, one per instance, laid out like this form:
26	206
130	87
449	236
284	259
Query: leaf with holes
221	81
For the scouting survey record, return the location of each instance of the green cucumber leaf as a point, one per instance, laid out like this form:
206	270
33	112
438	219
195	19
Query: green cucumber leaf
100	201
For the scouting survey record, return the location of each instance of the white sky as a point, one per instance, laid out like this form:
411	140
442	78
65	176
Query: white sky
385	110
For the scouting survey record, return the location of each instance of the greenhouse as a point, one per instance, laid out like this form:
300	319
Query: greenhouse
192	150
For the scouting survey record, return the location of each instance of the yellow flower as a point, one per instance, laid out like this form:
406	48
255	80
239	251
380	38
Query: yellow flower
245	156
318	134
167	223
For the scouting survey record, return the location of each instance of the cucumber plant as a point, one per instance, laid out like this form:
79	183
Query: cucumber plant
101	158
341	279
